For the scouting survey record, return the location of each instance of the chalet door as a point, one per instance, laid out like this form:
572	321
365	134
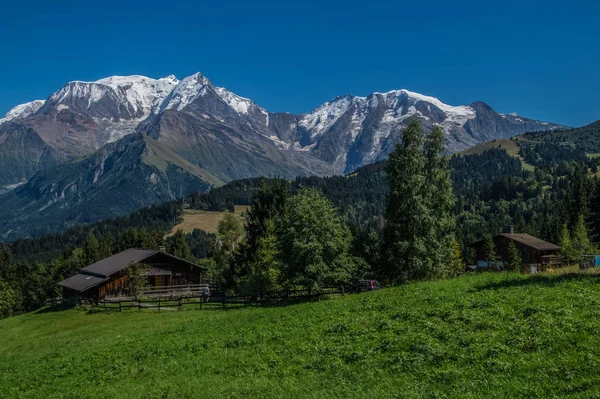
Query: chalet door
159	281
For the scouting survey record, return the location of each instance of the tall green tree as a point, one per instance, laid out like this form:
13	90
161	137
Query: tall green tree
315	243
441	240
407	214
258	258
420	221
268	205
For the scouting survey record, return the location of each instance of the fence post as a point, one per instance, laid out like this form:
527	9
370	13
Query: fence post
104	305
201	302
179	308
159	303
120	309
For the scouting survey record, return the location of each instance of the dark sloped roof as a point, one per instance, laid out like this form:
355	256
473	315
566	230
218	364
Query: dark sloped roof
117	262
531	241
82	282
101	271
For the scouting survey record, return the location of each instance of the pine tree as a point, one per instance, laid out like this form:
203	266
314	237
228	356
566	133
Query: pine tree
406	232
441	241
268	205
515	262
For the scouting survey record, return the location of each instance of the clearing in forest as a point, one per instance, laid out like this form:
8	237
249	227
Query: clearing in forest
204	220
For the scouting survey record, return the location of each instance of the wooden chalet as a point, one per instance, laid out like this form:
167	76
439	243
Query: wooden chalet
107	277
535	253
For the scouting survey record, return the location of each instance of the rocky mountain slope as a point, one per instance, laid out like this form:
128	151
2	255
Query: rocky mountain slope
231	136
122	176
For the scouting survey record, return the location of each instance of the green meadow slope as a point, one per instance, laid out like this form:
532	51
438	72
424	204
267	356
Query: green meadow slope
486	335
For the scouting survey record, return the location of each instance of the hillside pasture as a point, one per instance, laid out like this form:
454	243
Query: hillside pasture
482	335
204	220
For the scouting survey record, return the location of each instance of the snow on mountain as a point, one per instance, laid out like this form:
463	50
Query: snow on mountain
240	104
188	90
319	120
22	111
192	87
323	117
142	92
136	96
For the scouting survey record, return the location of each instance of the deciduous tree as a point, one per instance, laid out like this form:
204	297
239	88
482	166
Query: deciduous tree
315	243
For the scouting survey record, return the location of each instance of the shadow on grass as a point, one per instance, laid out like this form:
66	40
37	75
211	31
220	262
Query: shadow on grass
54	308
544	279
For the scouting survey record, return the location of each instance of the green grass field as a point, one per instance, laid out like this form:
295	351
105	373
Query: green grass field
205	220
479	336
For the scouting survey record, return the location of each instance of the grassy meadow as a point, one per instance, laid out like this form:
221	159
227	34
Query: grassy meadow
204	220
484	335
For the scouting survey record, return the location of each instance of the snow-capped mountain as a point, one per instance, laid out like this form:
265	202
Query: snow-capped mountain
232	136
116	97
22	111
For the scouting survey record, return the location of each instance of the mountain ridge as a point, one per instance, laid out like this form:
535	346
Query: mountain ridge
335	137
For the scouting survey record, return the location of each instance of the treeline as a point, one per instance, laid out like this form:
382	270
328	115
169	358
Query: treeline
544	154
586	138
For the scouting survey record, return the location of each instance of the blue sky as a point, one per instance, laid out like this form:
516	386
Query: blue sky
539	59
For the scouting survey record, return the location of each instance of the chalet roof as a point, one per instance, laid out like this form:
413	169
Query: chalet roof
531	241
117	262
526	239
82	282
99	272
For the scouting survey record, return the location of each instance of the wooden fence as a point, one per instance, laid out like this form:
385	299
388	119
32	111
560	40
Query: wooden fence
218	300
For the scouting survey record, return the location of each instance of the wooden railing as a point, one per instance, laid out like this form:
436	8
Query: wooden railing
218	300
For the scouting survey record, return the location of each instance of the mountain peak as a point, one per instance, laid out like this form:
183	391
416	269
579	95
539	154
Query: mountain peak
186	91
